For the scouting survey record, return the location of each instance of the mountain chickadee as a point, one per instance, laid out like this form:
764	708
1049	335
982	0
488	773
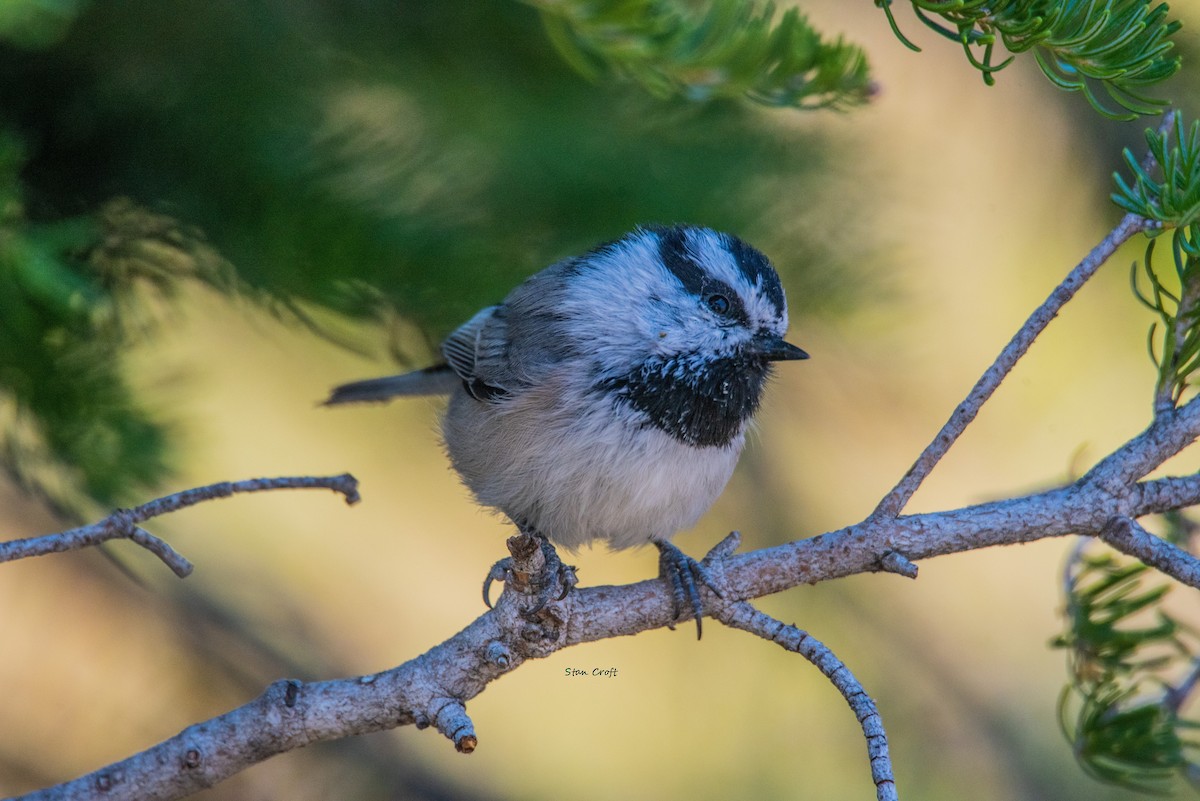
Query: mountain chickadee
607	398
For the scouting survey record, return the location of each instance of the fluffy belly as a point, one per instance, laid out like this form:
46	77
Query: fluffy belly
578	477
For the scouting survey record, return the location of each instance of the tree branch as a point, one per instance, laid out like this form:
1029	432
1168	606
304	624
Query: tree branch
893	503
742	615
123	523
432	689
1128	537
1130	225
1169	433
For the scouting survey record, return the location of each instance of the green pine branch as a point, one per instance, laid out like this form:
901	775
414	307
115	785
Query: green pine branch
74	296
731	49
1174	296
1173	198
1112	51
1169	194
1133	666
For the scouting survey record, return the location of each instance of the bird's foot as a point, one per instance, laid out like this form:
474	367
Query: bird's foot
685	575
501	571
534	569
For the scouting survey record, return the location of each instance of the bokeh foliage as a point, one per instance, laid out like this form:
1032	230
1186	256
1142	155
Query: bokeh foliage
721	49
371	159
1121	47
417	160
70	417
1133	666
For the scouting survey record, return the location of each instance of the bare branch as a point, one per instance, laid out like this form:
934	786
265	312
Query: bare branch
1129	226
742	615
1128	537
433	688
124	523
1170	432
893	503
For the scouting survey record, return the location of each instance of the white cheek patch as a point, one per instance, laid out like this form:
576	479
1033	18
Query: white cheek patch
623	321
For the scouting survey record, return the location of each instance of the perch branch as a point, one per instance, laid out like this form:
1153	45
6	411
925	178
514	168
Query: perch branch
124	523
432	689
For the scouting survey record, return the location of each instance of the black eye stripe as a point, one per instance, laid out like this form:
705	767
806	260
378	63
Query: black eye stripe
755	266
672	248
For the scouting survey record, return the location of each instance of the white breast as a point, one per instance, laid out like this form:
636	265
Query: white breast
578	473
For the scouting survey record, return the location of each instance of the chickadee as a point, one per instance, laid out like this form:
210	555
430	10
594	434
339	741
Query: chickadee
607	398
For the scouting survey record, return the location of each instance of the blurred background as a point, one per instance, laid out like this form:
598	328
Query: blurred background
284	195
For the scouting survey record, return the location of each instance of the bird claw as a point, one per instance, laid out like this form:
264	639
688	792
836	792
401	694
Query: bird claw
555	573
684	575
501	571
554	576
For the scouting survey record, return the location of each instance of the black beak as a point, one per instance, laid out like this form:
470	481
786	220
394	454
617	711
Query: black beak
774	349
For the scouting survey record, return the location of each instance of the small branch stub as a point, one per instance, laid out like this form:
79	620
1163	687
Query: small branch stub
896	562
452	720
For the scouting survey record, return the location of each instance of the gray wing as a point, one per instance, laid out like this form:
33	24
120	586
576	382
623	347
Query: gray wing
477	351
499	352
507	348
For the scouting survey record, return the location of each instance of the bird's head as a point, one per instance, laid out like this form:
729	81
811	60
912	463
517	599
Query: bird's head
682	322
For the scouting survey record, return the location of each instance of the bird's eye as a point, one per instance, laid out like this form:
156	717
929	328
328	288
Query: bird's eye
718	303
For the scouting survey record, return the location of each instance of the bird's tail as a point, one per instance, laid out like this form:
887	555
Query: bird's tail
436	380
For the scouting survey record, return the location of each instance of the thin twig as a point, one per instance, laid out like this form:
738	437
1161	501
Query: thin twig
742	615
1128	537
124	523
1166	397
1130	225
893	503
172	558
345	484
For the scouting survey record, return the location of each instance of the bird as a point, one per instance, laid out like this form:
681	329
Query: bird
607	398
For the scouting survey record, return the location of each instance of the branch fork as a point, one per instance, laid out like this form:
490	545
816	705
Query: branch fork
125	523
